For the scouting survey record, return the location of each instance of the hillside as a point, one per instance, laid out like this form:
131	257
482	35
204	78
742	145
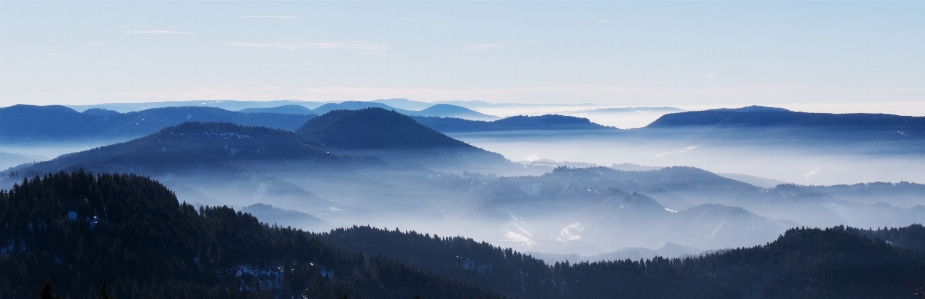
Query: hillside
801	263
105	227
373	128
37	124
756	117
446	110
192	146
77	230
287	109
354	105
229	105
514	123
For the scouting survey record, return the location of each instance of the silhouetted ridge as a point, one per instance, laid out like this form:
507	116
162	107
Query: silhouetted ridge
193	145
353	105
447	110
78	229
287	109
513	123
756	116
26	123
802	263
373	128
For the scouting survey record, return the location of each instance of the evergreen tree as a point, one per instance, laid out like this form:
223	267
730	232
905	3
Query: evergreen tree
103	294
47	291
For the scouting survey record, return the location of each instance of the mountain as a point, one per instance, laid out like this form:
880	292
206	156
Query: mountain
755	117
355	105
221	104
194	146
287	109
446	110
514	123
373	128
404	104
837	262
28	123
631	110
77	230
397	139
37	124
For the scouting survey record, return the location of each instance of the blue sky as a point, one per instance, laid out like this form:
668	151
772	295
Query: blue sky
831	56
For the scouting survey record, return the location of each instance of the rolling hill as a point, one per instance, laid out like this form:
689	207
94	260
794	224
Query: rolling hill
397	139
287	109
757	117
373	128
133	233
194	146
38	124
106	227
513	123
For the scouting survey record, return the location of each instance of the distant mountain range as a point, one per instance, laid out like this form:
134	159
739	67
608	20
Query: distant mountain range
373	128
395	138
631	110
226	146
288	109
441	110
513	123
757	117
194	146
222	104
37	124
407	107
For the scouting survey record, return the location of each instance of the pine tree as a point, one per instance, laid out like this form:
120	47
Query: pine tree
47	292
103	294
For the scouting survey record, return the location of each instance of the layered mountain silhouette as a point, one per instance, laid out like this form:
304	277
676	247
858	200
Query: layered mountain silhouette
210	147
514	123
798	264
287	109
396	138
446	110
373	128
438	110
354	105
758	117
27	123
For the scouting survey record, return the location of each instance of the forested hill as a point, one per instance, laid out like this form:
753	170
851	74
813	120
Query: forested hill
77	230
194	146
803	263
766	117
32	124
374	128
513	123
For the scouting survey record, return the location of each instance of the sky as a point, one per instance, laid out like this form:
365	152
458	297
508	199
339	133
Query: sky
825	56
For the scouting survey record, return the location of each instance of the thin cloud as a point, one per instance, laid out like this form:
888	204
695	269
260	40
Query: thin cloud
52	54
355	46
266	45
100	44
476	47
269	17
157	32
811	174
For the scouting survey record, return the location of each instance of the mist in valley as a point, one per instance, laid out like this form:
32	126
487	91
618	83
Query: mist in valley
558	194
